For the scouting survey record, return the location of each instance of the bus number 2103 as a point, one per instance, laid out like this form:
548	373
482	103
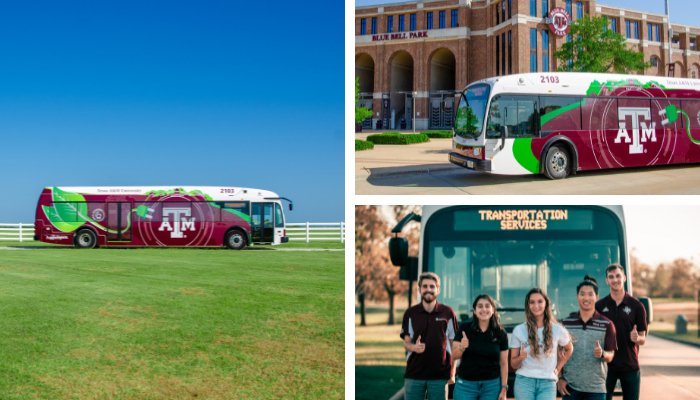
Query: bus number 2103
549	79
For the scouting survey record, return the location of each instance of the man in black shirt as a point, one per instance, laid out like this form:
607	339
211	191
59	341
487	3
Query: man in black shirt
630	320
428	330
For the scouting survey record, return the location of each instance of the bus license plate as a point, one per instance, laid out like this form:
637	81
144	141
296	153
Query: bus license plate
470	164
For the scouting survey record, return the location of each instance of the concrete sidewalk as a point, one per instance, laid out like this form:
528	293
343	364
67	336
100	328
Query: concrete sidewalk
387	159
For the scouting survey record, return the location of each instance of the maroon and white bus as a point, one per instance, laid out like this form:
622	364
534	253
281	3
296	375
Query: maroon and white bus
86	217
561	123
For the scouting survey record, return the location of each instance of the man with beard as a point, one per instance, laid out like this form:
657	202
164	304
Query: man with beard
428	330
630	319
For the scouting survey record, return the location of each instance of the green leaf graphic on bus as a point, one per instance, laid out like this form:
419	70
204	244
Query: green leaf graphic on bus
69	210
56	220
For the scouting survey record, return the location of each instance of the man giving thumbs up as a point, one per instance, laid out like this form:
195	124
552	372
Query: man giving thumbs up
428	329
583	377
630	319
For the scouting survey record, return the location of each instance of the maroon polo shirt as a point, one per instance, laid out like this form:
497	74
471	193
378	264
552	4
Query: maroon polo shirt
436	330
629	313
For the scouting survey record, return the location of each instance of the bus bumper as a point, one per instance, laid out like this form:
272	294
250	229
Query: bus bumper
470	163
284	239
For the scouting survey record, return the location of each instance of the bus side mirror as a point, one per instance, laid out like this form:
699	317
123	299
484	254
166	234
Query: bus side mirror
409	271
646	302
504	134
398	251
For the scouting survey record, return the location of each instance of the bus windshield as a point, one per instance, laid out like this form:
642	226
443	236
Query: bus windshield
495	251
469	119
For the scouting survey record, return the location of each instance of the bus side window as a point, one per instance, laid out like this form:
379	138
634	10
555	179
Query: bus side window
527	123
495	120
559	113
509	107
692	109
231	211
503	112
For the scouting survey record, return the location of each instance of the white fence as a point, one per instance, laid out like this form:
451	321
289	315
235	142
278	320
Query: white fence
313	231
298	231
17	232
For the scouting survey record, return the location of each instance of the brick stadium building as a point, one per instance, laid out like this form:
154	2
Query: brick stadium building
418	54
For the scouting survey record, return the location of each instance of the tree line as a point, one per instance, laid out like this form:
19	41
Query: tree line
679	278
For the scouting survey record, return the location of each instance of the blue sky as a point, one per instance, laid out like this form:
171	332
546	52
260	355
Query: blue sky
217	93
682	11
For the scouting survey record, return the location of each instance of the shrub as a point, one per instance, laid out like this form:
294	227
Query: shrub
398	138
438	134
363	145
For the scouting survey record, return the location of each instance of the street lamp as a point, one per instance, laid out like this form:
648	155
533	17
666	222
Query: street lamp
670	41
413	122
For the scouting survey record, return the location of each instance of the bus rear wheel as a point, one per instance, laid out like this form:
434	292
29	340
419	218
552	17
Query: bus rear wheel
557	163
85	239
235	240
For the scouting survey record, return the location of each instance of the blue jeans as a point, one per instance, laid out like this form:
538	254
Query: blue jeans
477	390
415	389
534	389
576	395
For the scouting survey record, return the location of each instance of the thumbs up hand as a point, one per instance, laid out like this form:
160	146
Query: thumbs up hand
597	351
464	343
419	347
634	335
523	354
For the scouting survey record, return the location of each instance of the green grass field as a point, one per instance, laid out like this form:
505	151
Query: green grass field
379	355
170	324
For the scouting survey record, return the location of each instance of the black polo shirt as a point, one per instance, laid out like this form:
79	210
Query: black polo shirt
629	313
436	330
481	361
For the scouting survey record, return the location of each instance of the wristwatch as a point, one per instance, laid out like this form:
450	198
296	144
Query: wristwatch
602	355
504	387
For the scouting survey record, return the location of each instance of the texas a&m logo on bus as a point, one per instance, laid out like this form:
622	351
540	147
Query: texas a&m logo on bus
176	219
643	129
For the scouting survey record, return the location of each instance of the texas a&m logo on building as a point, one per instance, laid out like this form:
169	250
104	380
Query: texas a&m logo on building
559	21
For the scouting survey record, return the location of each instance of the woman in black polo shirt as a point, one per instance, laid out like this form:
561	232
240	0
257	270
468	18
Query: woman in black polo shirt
482	345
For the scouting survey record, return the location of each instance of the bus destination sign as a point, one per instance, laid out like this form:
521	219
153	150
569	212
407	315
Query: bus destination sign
555	219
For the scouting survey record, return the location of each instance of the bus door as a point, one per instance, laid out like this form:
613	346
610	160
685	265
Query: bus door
510	118
118	221
262	222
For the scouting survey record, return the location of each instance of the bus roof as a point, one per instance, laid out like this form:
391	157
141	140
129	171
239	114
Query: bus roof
578	83
217	193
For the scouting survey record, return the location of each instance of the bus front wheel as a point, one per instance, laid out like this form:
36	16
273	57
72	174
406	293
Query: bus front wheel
235	240
557	163
85	239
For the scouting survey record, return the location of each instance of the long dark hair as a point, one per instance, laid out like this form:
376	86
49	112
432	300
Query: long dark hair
532	323
494	321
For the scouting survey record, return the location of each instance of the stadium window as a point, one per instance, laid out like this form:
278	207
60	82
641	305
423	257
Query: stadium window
363	26
389	23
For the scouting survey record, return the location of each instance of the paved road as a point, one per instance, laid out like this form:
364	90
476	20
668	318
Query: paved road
423	169
441	179
670	371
